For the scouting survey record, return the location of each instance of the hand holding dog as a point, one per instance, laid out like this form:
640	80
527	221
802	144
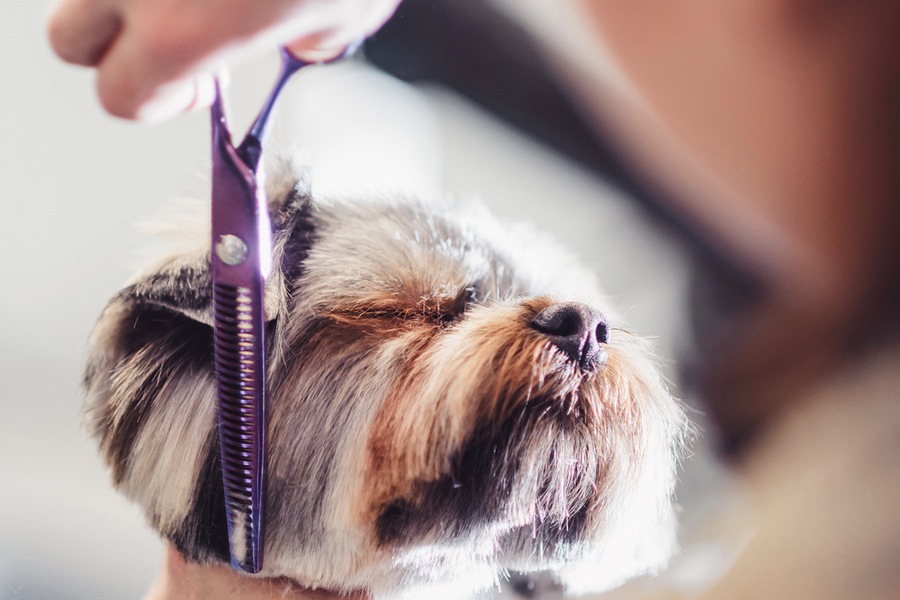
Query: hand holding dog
154	58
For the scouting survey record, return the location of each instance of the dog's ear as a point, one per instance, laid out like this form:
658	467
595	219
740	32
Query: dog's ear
182	283
172	301
149	382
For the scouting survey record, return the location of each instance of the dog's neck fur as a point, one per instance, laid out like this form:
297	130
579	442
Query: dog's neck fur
183	580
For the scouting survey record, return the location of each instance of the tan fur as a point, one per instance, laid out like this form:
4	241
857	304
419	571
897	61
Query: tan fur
422	434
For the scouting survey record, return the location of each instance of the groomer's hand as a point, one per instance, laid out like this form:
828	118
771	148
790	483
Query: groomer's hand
154	58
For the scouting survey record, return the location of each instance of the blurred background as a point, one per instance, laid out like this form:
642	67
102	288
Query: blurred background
452	97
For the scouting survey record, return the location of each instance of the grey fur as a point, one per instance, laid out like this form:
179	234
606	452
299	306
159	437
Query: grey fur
420	433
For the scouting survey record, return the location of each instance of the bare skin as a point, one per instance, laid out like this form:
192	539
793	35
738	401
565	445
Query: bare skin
155	58
772	121
181	580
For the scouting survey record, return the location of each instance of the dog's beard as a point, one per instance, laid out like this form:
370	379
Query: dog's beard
419	428
476	439
511	434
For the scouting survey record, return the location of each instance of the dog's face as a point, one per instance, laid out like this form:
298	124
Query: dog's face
448	398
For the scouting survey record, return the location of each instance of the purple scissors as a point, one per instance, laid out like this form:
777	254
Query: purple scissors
241	260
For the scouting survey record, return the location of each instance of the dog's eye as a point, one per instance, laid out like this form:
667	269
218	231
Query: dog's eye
438	308
454	309
469	296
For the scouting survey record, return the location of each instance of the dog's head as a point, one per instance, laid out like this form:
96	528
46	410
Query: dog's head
448	398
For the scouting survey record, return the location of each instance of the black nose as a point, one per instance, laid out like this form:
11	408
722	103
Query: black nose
576	329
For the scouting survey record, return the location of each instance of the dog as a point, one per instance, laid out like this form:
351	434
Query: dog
450	398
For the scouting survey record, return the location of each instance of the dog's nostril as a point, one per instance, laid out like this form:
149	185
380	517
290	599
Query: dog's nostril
568	324
576	329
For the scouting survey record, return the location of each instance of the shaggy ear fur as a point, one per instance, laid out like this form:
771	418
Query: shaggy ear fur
181	282
152	347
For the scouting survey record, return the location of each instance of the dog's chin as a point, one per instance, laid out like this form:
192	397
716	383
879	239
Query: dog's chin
521	450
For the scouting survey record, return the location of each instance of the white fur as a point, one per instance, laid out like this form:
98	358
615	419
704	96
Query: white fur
374	397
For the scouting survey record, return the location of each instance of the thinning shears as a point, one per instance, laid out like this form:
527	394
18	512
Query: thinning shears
241	260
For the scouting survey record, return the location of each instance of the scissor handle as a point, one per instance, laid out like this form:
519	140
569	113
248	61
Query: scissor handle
250	149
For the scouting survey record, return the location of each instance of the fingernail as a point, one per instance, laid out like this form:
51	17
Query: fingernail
204	92
314	49
169	100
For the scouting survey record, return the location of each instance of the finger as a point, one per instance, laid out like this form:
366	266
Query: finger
129	79
317	48
171	99
158	68
379	13
132	86
205	91
329	42
120	86
81	31
179	97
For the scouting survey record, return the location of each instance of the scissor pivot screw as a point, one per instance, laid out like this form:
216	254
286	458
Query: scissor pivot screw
231	250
